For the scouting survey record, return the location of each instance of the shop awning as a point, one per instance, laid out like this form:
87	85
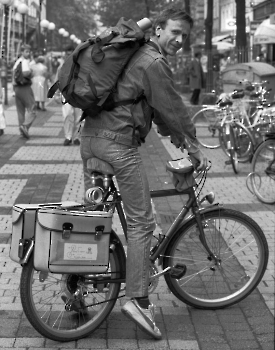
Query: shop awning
265	33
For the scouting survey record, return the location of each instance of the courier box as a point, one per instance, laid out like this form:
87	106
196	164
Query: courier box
72	241
23	224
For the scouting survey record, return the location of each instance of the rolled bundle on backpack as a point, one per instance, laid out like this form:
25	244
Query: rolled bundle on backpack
144	23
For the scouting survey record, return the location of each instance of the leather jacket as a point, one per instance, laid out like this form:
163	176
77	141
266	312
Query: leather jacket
147	75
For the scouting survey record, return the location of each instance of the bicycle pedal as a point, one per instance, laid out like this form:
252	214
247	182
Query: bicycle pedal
178	271
227	162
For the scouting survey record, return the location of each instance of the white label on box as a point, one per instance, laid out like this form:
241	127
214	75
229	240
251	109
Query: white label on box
79	251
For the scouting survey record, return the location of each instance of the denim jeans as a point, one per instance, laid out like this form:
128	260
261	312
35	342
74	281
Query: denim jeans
134	189
25	102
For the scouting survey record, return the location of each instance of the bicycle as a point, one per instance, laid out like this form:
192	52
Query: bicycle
218	126
262	176
205	258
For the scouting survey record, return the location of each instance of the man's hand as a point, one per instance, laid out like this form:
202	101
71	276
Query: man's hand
199	160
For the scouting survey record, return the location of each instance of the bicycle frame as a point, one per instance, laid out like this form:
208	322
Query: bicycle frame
162	244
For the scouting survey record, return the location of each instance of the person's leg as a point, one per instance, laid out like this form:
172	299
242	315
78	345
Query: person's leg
68	118
134	189
76	126
20	107
196	97
30	105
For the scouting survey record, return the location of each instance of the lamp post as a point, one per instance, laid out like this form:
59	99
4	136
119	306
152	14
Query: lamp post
66	34
23	9
61	31
51	27
4	49
44	24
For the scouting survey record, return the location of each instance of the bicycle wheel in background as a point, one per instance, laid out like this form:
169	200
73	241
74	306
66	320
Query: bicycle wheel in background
263	172
207	123
63	307
241	252
243	142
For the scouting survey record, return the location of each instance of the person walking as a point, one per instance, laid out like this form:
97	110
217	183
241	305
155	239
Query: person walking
114	136
24	98
40	82
196	78
71	115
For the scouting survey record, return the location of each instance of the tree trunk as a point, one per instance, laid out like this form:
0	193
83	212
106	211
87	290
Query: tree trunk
186	45
241	41
208	45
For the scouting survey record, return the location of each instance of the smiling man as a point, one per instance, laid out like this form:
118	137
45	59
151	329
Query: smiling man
114	136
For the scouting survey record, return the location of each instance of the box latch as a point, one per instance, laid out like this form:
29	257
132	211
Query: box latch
98	232
67	230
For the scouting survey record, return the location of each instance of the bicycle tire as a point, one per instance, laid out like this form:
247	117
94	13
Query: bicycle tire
45	309
263	183
244	142
230	236
207	124
234	160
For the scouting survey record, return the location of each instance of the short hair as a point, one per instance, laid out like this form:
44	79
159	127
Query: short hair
173	13
25	47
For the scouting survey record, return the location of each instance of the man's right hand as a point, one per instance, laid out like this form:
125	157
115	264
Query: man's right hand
199	160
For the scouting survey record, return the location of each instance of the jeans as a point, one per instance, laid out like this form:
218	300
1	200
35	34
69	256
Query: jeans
24	101
134	189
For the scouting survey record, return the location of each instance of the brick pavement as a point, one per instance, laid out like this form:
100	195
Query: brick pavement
42	169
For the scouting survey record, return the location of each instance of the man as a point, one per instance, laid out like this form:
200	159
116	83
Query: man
196	78
71	115
24	98
114	136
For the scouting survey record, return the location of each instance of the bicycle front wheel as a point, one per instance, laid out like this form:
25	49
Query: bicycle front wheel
66	307
207	123
263	172
241	255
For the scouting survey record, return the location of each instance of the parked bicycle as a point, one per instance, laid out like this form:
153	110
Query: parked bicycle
261	180
74	263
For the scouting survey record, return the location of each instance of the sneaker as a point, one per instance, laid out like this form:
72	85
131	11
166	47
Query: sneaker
67	142
76	142
23	129
144	318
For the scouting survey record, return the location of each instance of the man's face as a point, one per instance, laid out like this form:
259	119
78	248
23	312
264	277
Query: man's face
172	36
26	53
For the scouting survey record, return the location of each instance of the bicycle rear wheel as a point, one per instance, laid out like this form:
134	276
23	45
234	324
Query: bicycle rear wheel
241	250
263	172
63	307
207	123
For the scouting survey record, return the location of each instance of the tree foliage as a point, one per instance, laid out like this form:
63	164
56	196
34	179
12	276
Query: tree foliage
75	16
110	11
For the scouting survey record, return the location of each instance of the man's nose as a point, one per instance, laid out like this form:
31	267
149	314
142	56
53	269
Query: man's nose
179	39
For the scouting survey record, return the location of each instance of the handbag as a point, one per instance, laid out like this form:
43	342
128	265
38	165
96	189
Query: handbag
2	118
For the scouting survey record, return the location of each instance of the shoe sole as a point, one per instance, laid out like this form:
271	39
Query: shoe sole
147	331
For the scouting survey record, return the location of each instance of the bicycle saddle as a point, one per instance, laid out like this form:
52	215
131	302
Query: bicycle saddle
237	94
225	103
180	166
99	165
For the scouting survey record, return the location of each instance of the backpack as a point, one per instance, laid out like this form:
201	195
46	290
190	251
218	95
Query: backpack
19	77
88	77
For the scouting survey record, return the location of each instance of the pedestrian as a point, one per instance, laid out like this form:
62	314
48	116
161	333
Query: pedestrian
114	136
24	98
71	115
196	78
40	77
54	64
